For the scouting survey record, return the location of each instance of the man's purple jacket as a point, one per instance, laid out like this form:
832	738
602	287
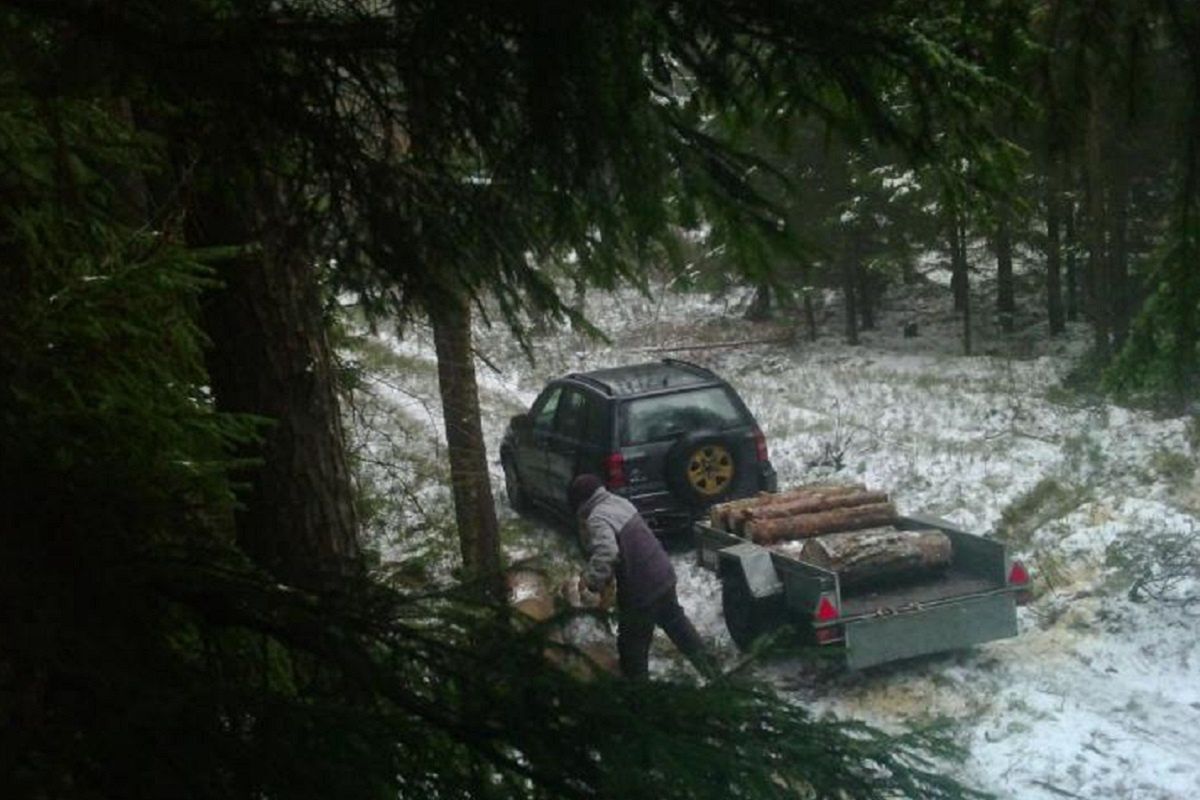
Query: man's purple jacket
619	543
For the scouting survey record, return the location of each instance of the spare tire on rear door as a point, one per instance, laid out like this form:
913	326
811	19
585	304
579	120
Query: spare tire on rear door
702	468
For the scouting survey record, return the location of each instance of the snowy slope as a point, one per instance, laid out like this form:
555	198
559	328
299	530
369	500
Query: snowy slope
1097	697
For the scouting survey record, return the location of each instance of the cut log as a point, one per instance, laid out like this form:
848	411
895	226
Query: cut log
730	516
879	554
802	526
811	498
718	515
813	503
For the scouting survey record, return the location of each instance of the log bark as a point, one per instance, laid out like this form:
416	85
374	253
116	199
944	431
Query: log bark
825	501
879	554
728	516
803	526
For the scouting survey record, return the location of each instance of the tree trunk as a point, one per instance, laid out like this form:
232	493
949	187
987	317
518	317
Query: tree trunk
1071	244
803	526
849	288
962	293
958	260
1120	303
270	357
470	481
810	313
1054	208
1097	280
882	554
1005	299
760	306
866	295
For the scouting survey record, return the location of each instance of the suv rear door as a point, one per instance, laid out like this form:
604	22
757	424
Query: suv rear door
648	427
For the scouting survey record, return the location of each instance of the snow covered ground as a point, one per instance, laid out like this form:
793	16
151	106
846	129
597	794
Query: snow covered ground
1099	695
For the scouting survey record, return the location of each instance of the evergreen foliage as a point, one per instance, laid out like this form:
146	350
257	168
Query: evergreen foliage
454	148
144	655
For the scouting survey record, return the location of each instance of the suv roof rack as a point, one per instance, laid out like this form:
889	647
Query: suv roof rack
679	362
590	381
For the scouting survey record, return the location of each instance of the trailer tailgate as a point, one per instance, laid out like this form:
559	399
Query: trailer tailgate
935	628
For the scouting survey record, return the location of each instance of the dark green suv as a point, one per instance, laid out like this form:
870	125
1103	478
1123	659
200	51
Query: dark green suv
671	436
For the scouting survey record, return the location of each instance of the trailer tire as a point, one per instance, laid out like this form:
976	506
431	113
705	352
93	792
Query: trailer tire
746	617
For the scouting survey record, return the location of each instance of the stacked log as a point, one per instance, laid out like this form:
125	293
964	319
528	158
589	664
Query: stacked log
832	520
879	554
840	497
732	516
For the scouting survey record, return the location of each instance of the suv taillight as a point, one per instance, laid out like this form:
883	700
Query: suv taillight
760	445
614	471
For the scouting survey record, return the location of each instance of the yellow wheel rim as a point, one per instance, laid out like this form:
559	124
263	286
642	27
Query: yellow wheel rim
710	470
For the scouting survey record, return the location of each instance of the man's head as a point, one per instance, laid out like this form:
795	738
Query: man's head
581	490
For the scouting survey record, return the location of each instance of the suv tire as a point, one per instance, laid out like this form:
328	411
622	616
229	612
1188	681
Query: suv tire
702	468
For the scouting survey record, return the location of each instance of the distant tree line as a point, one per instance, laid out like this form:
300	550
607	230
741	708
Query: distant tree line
1091	167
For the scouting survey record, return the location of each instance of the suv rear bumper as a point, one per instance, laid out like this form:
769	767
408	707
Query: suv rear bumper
664	513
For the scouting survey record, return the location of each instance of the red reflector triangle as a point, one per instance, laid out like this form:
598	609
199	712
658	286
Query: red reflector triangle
1018	574
826	611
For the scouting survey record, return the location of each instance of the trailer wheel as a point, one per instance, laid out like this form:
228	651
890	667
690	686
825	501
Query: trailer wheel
746	617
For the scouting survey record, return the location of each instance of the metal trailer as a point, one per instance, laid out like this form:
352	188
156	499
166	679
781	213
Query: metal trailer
971	602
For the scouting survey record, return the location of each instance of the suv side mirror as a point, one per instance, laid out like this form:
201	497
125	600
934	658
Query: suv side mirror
521	423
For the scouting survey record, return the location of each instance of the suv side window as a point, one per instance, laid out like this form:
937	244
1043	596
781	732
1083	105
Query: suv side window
572	415
597	431
543	411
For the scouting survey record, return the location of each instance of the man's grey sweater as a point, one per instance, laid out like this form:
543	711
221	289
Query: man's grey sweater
619	544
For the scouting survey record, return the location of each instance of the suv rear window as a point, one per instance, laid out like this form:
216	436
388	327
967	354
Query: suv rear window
666	416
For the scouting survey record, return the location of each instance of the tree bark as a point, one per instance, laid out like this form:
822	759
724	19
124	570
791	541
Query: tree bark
849	287
1054	207
1005	295
958	260
865	283
470	481
810	314
1097	279
760	306
1071	244
960	276
881	554
1120	305
270	357
803	526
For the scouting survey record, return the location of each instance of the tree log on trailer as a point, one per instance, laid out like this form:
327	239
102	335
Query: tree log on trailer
879	554
803	526
728	516
824	501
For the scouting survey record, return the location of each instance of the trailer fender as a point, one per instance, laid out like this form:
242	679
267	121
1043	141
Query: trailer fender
752	596
754	566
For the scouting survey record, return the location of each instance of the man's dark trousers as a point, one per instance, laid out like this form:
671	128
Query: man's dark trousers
635	630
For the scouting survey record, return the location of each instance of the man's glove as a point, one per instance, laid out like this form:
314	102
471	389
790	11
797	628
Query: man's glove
602	599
